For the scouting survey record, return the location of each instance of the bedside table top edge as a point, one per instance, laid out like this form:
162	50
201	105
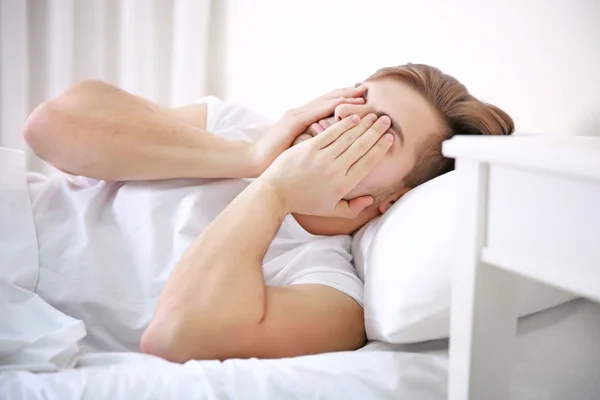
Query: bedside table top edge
572	155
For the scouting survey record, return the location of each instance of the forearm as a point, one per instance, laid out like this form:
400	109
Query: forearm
99	131
218	286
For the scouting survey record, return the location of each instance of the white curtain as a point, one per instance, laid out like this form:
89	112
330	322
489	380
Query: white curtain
157	49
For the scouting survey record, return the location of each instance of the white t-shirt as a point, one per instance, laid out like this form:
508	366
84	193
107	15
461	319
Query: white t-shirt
106	249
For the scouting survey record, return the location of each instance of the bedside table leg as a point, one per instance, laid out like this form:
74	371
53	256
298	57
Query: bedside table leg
484	301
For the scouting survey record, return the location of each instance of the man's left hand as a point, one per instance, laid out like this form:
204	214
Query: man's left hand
295	122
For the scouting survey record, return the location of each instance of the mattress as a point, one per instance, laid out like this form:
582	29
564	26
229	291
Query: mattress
557	357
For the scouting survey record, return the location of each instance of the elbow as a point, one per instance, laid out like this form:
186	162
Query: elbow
160	340
49	128
164	340
48	133
38	130
179	339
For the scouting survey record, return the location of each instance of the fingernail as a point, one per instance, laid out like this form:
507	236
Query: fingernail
389	137
385	120
318	128
372	117
355	118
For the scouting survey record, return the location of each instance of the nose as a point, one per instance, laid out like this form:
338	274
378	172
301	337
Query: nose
344	110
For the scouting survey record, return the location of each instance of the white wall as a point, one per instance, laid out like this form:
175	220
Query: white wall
537	59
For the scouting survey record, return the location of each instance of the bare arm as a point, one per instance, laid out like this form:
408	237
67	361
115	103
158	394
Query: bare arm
97	130
216	304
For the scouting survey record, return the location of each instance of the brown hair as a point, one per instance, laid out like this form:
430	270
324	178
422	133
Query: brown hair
461	113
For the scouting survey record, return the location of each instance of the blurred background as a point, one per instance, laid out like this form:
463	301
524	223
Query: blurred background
537	59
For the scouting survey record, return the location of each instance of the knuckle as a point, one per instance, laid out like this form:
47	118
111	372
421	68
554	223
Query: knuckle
368	163
362	130
362	146
378	130
347	140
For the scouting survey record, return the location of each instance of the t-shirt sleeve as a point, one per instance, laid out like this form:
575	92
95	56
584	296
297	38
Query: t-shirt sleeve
233	120
330	267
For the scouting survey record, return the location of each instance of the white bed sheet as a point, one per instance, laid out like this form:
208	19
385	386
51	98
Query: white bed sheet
558	358
349	375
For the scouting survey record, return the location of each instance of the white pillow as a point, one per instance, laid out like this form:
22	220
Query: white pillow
405	259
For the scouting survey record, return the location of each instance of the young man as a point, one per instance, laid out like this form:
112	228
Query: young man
170	248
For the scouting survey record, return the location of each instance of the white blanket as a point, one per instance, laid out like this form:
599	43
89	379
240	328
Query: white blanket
557	358
349	375
33	335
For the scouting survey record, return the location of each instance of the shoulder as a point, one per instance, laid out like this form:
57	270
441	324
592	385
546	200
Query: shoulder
325	260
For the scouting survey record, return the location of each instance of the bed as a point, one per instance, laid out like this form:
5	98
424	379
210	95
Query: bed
558	358
558	352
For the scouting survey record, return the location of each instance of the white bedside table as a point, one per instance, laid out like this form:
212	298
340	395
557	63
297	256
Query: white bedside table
529	207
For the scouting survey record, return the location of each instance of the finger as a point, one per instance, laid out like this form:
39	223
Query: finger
339	100
361	168
324	124
363	143
315	129
330	134
345	140
351	209
302	138
354	100
353	91
318	111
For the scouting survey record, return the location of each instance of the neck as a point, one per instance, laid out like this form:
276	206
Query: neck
329	226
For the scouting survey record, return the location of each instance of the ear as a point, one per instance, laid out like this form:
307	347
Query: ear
387	203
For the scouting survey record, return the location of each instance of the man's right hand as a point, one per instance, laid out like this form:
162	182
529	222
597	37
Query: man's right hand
295	122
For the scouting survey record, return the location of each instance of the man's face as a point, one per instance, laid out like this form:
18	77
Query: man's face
413	122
